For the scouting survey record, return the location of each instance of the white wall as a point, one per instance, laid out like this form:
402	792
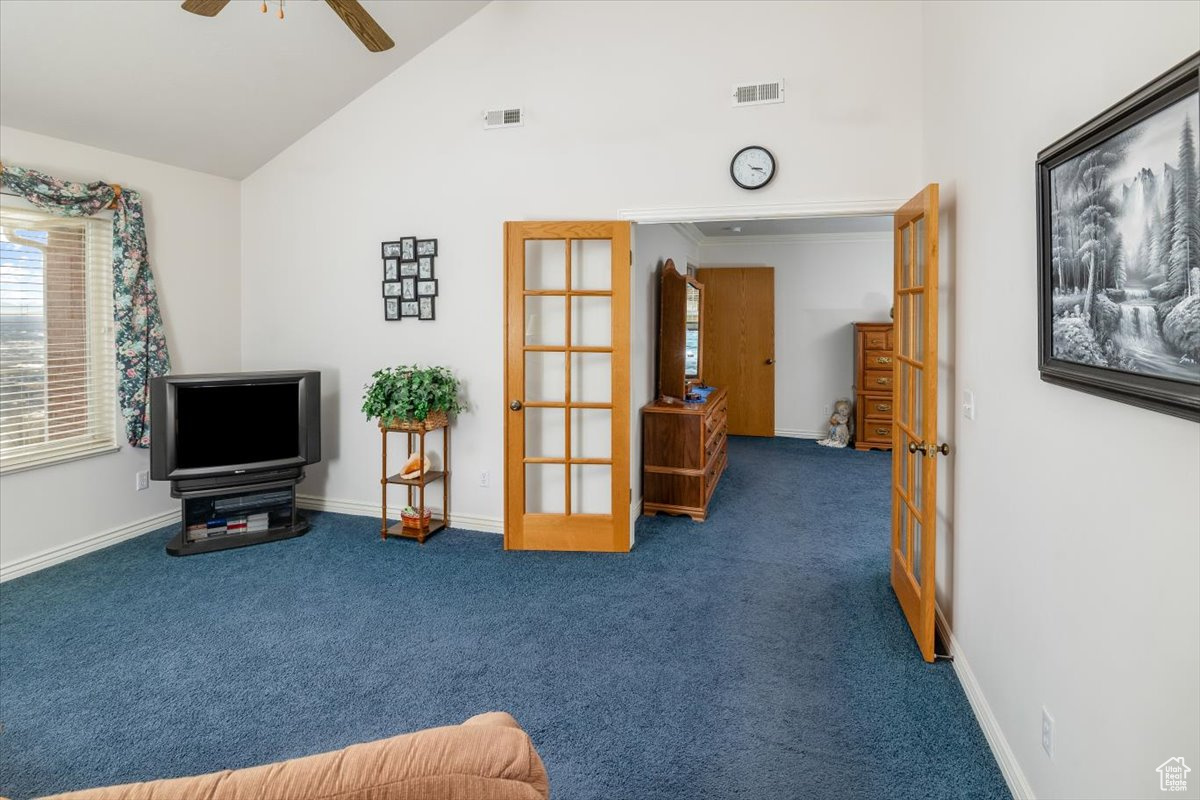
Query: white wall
193	225
1077	541
622	112
822	285
652	246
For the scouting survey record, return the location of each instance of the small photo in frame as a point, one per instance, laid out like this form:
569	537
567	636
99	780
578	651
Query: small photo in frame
408	248
426	308
426	247
408	308
408	269
427	288
392	289
391	269
392	249
408	288
391	308
425	272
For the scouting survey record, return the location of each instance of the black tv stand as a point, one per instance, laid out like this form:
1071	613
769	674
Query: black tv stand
221	516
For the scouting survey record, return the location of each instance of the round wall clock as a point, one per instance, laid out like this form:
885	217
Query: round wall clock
752	167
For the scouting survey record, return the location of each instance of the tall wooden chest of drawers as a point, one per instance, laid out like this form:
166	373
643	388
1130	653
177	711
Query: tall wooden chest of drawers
683	455
874	380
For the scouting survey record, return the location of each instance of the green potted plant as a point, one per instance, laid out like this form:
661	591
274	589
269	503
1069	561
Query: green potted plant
412	397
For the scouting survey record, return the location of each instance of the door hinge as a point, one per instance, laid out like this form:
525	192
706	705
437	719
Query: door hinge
631	264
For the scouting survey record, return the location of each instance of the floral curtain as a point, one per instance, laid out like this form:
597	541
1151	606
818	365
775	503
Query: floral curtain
141	344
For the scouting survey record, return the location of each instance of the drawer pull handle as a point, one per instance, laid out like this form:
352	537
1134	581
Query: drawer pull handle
881	431
883	381
883	406
884	359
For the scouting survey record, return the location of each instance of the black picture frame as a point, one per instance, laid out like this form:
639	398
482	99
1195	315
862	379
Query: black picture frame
425	267
425	290
426	308
391	289
391	308
408	248
390	249
391	269
427	247
408	288
408	269
409	308
1167	395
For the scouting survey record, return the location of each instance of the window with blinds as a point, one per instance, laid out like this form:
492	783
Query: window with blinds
57	354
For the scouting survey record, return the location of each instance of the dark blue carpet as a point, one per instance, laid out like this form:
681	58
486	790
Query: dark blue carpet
758	655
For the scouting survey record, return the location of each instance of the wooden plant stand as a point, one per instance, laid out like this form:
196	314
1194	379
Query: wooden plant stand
422	529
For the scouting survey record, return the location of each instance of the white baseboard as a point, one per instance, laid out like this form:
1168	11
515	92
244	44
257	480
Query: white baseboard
635	511
466	522
800	433
1014	776
88	544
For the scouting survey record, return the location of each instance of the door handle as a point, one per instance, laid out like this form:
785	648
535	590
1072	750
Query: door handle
929	449
515	405
770	361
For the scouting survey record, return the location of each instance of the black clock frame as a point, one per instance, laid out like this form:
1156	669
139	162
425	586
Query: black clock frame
770	155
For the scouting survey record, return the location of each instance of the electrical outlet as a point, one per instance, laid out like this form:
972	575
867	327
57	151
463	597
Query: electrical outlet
142	480
826	411
484	478
1047	733
968	404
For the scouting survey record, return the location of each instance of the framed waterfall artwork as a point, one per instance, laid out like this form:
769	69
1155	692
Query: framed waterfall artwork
1118	226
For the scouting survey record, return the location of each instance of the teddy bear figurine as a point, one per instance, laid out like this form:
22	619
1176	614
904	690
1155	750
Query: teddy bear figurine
839	425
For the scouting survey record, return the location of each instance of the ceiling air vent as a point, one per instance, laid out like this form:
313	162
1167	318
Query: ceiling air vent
758	94
503	118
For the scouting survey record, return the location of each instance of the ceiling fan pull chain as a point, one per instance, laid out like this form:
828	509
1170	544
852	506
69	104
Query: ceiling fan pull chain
281	9
263	8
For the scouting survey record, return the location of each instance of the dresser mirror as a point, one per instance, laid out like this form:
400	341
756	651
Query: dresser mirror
680	342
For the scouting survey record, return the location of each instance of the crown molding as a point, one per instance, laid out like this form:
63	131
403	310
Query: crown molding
689	231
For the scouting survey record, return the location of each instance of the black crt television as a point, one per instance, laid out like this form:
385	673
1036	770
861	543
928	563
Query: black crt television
234	428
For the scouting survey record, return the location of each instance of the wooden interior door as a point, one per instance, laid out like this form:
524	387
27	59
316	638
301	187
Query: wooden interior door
915	450
566	379
738	330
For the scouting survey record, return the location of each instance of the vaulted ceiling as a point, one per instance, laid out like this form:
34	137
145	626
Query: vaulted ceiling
221	95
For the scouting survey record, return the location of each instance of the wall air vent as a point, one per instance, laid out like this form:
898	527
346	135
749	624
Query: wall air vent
503	118
758	94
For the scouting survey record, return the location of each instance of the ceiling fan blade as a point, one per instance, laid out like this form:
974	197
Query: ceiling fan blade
365	28
205	8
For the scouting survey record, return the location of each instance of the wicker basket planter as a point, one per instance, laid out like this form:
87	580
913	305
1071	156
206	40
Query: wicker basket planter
435	420
415	523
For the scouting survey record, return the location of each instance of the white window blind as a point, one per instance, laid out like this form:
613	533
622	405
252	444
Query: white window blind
57	354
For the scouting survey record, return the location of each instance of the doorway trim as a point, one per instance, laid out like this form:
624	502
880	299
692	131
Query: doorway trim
814	208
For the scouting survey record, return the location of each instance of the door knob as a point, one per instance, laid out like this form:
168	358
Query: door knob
515	405
928	449
770	361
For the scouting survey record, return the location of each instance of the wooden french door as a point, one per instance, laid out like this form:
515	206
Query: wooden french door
566	380
915	448
738	321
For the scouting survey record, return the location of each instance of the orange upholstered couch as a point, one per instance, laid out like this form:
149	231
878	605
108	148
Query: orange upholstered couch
488	757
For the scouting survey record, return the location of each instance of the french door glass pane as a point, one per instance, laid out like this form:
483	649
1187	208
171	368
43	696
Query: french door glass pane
545	264
591	378
545	432
545	488
916	549
591	321
918	346
546	320
591	264
591	433
919	252
905	259
545	377
591	489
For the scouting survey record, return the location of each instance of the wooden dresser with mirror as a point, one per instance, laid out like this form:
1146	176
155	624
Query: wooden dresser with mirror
874	380
684	430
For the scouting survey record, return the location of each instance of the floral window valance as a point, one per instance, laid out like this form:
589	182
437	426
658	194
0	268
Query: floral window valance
141	344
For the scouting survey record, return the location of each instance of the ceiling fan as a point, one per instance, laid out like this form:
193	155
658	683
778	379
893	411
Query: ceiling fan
351	11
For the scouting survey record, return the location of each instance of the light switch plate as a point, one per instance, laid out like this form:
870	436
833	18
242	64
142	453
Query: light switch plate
968	404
